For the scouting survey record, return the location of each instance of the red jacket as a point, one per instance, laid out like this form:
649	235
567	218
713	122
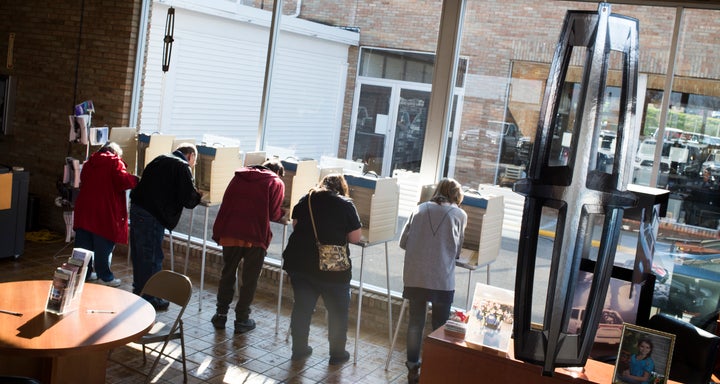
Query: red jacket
251	201
101	205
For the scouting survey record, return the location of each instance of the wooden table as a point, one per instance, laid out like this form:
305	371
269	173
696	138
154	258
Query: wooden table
446	359
72	348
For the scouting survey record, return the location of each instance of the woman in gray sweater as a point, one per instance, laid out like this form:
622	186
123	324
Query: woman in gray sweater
432	239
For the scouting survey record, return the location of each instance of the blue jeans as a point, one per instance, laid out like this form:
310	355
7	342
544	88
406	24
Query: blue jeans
416	324
146	237
336	297
102	249
252	263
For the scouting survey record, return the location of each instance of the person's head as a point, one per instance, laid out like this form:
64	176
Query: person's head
448	191
276	166
645	347
189	151
706	174
111	147
334	182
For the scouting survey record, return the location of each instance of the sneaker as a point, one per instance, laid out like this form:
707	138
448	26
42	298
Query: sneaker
111	283
302	354
337	360
218	320
244	326
92	277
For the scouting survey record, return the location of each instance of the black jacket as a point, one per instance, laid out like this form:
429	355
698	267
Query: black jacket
166	186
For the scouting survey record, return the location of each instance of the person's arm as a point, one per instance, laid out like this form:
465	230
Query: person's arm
277	194
354	236
122	180
187	194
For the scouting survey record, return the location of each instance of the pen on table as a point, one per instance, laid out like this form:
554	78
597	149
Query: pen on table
11	313
100	311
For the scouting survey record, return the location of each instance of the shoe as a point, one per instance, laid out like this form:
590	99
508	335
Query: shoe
304	353
413	375
337	360
218	320
159	304
243	326
92	277
111	283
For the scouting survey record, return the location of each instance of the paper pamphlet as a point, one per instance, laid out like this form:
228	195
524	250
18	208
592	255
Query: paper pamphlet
6	180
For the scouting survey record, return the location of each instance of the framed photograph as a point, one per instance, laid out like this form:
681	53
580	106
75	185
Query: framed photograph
644	356
490	319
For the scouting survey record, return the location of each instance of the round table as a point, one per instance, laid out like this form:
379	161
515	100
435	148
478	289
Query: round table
68	348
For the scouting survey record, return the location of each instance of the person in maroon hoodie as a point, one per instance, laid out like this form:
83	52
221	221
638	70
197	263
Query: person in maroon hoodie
251	201
101	215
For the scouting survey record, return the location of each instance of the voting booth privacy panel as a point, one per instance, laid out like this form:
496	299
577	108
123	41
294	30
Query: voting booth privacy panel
483	234
300	176
126	138
376	200
151	146
214	168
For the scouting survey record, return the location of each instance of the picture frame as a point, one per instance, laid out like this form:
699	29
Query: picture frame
655	367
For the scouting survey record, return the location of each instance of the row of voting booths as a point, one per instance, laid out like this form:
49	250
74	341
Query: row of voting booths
377	199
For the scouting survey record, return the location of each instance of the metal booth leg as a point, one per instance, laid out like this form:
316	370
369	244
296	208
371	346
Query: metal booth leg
359	311
280	285
202	263
394	337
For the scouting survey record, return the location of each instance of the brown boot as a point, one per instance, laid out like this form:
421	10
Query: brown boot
413	372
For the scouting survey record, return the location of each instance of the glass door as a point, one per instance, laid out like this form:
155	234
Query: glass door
371	126
409	137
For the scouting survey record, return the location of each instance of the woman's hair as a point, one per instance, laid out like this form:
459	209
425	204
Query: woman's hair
276	166
334	182
648	342
448	191
111	147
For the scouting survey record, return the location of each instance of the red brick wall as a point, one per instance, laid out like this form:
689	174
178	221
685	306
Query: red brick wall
57	66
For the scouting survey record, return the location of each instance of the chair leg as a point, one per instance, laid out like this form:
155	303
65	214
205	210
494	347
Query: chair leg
182	349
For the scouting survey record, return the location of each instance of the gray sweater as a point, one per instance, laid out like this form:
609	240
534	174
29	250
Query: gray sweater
432	239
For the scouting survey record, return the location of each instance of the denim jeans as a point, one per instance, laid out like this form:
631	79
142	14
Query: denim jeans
102	249
336	297
416	324
146	236
252	262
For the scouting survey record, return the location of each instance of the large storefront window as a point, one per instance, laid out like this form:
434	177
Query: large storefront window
334	94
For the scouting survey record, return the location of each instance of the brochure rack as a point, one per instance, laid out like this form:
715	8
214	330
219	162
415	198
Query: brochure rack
68	283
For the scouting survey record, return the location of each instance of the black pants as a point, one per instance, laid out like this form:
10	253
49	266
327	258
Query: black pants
252	261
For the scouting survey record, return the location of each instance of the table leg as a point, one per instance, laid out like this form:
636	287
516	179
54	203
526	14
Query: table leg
389	296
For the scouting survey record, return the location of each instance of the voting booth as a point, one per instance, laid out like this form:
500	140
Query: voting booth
126	138
150	147
300	177
376	200
214	168
253	158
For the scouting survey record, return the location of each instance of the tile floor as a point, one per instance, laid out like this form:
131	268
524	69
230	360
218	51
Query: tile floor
259	356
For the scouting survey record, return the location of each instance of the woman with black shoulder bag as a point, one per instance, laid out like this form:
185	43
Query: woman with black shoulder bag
317	260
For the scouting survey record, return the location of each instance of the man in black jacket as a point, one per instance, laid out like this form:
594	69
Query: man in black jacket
156	203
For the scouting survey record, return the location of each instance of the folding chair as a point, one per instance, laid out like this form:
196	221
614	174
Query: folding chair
177	289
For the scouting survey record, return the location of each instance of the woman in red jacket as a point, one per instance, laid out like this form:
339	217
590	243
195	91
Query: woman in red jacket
101	216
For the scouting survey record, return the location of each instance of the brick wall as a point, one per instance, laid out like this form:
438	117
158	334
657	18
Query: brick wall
69	51
63	54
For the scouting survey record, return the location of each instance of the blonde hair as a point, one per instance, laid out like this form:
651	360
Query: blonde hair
448	190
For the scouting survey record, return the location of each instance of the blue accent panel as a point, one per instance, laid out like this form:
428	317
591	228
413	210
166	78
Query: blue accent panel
205	150
289	165
143	138
364	182
475	201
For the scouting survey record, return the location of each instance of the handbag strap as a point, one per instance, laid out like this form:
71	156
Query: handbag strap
312	219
